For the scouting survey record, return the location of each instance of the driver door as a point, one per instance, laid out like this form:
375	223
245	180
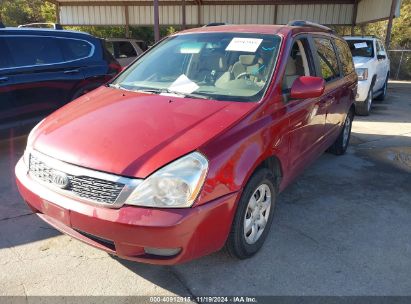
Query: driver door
306	116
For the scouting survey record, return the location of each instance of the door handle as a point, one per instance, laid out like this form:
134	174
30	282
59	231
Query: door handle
4	79
72	71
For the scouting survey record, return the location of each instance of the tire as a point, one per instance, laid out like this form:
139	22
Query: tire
384	91
243	243
364	108
341	143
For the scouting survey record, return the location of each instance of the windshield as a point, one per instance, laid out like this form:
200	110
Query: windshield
361	48
221	66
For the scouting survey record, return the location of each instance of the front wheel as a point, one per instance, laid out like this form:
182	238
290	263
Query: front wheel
341	144
384	90
254	215
364	108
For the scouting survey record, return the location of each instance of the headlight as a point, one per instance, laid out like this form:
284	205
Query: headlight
362	73
30	143
177	185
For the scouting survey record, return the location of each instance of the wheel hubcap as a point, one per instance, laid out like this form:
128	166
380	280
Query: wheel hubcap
257	213
346	132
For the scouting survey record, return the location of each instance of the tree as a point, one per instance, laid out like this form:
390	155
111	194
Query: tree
16	12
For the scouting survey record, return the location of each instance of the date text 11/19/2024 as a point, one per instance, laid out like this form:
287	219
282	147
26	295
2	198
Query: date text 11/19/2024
203	299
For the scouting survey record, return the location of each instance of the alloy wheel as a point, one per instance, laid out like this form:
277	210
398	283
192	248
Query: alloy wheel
346	131
257	213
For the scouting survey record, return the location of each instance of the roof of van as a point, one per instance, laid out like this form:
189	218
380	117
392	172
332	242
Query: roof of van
255	28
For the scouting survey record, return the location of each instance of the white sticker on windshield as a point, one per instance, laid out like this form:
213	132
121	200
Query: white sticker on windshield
183	85
244	45
360	45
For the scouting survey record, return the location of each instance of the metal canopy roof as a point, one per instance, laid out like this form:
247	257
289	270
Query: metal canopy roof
199	12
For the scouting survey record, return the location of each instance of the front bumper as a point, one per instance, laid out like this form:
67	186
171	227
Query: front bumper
362	90
126	231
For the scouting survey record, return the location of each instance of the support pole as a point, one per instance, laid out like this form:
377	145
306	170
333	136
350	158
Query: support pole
389	26
126	15
354	17
57	13
198	14
156	22
183	14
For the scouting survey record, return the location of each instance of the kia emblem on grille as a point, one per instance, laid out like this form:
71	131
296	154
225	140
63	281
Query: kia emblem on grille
60	179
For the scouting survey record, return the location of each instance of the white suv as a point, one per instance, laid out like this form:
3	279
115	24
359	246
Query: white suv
373	68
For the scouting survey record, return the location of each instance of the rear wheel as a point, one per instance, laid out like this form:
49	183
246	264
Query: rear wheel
341	144
364	108
254	215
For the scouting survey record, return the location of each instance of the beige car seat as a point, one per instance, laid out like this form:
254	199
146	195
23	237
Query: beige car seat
290	74
245	64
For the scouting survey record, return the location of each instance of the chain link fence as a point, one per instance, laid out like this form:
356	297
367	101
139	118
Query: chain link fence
400	64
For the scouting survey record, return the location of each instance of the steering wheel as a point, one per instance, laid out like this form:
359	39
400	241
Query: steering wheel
243	74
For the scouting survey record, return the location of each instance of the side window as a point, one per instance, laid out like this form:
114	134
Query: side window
327	59
75	49
110	47
299	63
4	58
142	45
32	51
378	46
126	50
382	46
345	56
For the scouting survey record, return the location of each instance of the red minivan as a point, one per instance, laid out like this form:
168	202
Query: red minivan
187	149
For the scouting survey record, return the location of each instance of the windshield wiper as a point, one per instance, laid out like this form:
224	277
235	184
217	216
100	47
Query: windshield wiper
114	85
168	91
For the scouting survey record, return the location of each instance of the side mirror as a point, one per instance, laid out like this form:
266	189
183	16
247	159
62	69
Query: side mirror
307	87
381	56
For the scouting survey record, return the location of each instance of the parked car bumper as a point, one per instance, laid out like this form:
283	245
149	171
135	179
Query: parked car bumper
130	232
362	90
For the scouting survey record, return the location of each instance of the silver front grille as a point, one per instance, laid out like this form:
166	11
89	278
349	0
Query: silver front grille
86	187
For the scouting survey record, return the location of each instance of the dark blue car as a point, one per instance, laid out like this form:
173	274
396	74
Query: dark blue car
42	69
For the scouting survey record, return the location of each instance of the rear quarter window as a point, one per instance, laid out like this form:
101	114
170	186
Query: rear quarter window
34	50
74	49
126	49
5	56
327	59
345	56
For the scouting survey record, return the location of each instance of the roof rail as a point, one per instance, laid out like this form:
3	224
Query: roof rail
55	26
215	24
309	23
2	25
363	36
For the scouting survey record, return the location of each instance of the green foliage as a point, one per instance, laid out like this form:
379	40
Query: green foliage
16	12
401	29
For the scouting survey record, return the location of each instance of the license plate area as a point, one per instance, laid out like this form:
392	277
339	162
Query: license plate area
58	213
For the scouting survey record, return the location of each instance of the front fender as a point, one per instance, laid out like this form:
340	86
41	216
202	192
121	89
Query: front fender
235	155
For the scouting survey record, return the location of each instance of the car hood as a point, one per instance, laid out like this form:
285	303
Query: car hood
132	134
360	61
